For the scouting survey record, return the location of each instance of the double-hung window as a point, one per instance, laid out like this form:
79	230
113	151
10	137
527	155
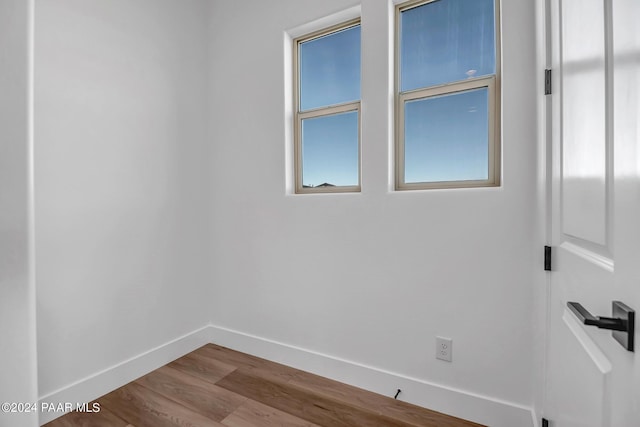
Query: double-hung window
447	97
327	110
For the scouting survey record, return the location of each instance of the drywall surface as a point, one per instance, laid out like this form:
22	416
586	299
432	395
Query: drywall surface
17	301
372	277
120	146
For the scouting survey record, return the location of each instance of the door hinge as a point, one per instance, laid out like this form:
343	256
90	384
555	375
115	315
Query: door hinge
547	82
545	422
547	258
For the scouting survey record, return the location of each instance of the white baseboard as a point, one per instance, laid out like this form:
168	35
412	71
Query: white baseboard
103	382
471	406
474	407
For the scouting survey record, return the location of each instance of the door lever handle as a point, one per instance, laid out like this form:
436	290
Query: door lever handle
622	322
599	321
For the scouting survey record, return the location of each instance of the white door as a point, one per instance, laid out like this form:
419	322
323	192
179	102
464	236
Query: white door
591	379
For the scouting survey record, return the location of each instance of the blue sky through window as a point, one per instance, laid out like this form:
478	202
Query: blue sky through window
330	75
330	69
446	137
445	41
330	150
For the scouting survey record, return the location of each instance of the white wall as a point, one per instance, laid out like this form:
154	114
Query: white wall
17	300
373	277
121	203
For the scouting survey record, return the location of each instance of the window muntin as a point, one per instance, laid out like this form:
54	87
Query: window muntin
447	98
327	110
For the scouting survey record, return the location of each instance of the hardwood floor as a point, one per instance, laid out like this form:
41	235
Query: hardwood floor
216	386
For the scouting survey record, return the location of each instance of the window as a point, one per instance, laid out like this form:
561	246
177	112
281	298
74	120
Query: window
327	110
447	128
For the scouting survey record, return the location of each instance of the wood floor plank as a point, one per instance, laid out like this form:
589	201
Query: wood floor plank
104	418
235	358
197	394
145	408
314	384
203	367
226	355
358	397
255	414
303	404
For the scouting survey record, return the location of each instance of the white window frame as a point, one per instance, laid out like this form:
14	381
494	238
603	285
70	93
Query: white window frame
330	110
492	83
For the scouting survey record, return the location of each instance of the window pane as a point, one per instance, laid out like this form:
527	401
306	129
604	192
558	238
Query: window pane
446	137
445	41
330	69
330	150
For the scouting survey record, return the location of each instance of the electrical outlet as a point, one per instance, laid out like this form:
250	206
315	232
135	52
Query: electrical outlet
444	348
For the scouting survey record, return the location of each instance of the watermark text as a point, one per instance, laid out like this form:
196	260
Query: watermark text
61	407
